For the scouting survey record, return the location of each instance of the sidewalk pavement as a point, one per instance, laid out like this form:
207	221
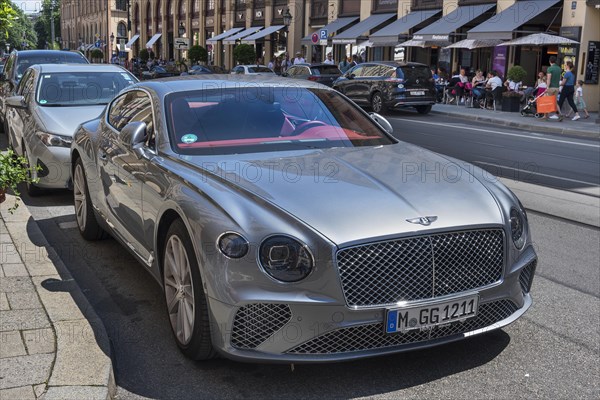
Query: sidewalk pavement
52	343
583	127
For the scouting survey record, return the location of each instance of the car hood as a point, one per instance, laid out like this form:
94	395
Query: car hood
351	194
64	120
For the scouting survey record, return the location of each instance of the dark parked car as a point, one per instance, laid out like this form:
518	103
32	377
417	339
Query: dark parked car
325	74
158	71
206	69
19	61
388	85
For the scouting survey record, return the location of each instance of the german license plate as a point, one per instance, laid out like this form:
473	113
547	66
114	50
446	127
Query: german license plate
418	93
433	314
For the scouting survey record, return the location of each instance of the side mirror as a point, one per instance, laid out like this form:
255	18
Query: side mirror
381	121
16	102
350	76
133	136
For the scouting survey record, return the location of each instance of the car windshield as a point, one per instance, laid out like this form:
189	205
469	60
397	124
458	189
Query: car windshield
255	119
58	57
64	89
258	69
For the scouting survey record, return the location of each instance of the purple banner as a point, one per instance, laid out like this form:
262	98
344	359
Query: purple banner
499	60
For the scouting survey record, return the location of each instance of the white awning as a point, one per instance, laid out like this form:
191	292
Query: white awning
242	34
223	35
261	34
153	40
356	33
89	46
132	41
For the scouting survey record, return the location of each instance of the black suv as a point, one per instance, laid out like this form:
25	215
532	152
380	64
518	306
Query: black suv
386	84
19	61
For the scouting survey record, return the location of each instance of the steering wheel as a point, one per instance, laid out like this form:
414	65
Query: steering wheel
307	125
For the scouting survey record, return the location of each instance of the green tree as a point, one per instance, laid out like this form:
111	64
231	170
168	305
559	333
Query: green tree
144	55
19	31
43	26
244	54
197	53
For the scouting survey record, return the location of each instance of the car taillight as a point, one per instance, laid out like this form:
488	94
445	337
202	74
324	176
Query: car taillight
313	78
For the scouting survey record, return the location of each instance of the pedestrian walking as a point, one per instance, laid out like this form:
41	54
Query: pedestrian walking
299	59
568	91
344	65
579	101
553	83
329	59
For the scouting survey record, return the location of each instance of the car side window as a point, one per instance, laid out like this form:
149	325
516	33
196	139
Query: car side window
8	67
25	87
115	112
143	113
358	71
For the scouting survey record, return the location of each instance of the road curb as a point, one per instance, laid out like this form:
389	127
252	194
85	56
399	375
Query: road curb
547	128
83	362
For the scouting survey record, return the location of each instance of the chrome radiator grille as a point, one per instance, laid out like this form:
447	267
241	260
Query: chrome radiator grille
372	336
255	323
422	267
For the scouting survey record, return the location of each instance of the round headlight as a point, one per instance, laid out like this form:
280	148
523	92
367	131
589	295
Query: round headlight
233	245
285	259
517	227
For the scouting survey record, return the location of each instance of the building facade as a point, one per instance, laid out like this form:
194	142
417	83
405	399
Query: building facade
409	30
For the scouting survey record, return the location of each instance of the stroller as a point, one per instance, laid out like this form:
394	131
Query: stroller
531	107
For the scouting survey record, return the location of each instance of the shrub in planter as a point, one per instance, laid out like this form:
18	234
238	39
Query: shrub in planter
516	73
13	170
197	53
244	54
97	54
511	101
144	55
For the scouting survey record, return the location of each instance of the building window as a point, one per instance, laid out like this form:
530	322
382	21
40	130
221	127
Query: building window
136	18
318	11
240	12
258	12
350	7
426	4
121	30
121	5
148	19
279	7
196	9
386	5
181	14
210	8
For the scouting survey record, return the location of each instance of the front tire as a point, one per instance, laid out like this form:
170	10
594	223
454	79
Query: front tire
377	103
84	212
187	307
32	190
423	109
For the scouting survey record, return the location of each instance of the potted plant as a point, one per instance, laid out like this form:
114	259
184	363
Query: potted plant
511	100
97	55
13	170
197	54
244	54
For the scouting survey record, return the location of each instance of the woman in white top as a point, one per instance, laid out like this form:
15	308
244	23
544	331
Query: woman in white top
540	84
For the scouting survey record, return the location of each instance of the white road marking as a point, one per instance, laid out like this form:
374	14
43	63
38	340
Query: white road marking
535	173
501	133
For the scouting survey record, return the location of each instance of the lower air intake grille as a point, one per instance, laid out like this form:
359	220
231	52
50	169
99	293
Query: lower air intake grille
526	276
369	337
255	323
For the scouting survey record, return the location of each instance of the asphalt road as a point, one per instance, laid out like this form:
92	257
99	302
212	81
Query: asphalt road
552	352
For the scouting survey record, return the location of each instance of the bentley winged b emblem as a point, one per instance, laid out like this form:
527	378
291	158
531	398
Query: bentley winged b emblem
426	221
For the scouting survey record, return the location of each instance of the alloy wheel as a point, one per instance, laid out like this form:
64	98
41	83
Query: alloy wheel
79	197
179	291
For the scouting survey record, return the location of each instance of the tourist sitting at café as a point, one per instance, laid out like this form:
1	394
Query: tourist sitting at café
478	83
458	84
493	88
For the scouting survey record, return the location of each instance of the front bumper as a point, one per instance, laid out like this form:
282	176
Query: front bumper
55	166
268	331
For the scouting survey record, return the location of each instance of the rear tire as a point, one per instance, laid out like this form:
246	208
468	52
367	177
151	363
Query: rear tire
377	103
84	210
423	109
186	303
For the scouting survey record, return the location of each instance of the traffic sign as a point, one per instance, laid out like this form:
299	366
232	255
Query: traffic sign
97	44
182	43
323	35
315	38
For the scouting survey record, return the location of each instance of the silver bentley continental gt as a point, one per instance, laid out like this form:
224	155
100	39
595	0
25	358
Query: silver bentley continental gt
285	224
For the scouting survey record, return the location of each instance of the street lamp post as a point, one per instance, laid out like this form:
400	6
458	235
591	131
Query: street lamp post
112	40
287	21
181	32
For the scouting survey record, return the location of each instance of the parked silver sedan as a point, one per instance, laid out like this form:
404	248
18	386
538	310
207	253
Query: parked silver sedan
50	101
285	224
